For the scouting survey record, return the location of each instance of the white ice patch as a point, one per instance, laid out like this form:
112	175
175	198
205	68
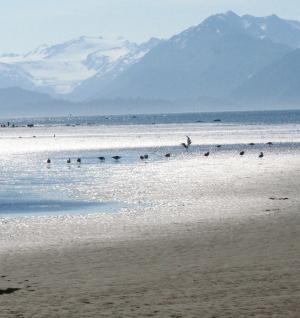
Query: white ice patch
263	27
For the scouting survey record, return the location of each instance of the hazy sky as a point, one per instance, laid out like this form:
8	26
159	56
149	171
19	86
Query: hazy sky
26	24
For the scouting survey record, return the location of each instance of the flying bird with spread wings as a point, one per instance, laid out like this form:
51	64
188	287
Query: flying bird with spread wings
187	144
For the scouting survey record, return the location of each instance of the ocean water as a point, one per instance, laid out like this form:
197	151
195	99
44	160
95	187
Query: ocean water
31	187
247	117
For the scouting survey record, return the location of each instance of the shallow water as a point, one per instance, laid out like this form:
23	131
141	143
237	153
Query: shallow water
30	186
37	207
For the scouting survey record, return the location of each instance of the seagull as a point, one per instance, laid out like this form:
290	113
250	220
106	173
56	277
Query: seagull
261	155
206	154
167	155
101	158
188	143
48	160
69	160
78	160
185	145
116	157
242	153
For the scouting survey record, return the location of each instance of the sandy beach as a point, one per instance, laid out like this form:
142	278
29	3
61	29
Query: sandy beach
247	270
200	237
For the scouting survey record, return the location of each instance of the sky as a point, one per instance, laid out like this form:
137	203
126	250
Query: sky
28	24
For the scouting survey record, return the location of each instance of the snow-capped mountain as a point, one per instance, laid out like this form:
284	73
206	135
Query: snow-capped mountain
208	60
274	28
271	27
109	69
207	63
59	68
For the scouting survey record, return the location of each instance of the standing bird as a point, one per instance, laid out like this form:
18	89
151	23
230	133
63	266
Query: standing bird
69	160
117	157
167	155
261	155
48	160
206	154
242	153
101	158
78	160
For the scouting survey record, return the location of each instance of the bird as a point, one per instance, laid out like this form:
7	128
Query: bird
206	154
48	160
167	155
146	156
69	160
117	157
219	146
242	153
78	160
261	155
188	143
142	157
101	158
185	145
251	144
269	143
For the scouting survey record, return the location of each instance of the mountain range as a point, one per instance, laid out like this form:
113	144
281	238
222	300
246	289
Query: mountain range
226	62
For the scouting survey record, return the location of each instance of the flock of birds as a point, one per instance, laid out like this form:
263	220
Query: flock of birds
186	145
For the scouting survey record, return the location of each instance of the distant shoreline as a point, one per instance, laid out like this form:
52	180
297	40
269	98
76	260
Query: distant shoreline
261	116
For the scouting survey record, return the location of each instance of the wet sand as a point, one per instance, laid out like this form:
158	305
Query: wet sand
243	262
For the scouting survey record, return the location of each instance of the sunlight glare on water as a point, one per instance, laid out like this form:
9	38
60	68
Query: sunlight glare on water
29	184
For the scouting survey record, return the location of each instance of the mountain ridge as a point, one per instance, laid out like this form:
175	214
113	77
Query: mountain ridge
211	58
59	68
210	65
